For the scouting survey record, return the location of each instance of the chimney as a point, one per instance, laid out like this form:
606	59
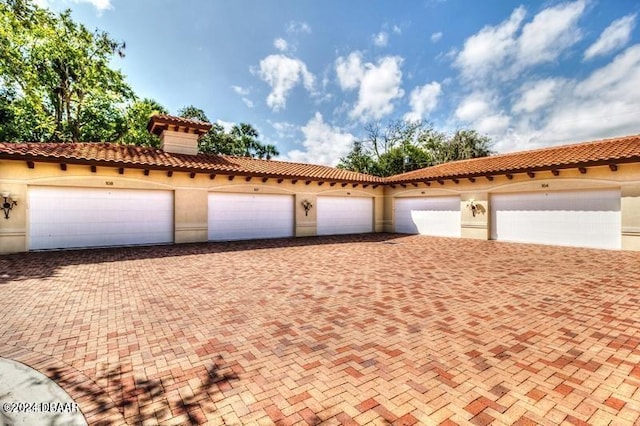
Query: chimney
178	135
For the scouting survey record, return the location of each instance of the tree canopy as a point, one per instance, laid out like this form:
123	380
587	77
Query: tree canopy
56	80
241	140
403	146
57	84
136	118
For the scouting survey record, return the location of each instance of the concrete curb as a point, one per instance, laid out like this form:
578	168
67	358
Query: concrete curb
28	397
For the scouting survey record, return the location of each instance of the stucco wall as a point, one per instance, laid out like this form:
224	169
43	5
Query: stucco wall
626	178
190	195
191	203
179	142
630	205
191	224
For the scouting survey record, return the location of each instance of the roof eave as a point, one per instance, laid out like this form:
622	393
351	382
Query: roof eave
206	170
497	172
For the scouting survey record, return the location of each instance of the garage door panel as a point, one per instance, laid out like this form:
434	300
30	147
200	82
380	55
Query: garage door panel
250	216
564	202
344	215
571	218
436	216
92	217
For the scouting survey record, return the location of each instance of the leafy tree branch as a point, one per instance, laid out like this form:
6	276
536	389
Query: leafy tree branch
403	146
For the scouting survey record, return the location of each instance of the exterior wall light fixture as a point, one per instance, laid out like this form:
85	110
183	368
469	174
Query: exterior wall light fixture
473	207
306	205
8	204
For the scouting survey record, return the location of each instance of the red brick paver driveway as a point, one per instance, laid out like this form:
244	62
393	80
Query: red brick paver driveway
378	329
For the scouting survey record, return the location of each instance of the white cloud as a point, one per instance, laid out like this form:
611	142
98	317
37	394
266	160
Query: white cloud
283	73
505	50
536	95
449	55
616	79
479	110
488	49
242	91
226	125
494	124
379	84
396	30
381	39
472	107
323	143
296	27
42	3
435	37
283	129
551	32
423	100
350	70
100	5
341	109
522	105
280	44
612	38
379	87
604	104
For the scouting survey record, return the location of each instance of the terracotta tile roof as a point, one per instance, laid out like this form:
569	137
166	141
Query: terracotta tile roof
157	123
609	151
115	155
602	152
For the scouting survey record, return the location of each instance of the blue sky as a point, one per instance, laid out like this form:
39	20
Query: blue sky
310	74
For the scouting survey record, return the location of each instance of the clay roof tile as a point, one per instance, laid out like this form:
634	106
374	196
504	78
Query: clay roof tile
575	155
127	155
609	151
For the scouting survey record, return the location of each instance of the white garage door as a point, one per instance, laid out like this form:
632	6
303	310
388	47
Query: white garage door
250	216
571	218
90	217
345	215
437	216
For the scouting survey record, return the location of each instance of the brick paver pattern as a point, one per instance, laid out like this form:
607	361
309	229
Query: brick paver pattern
372	329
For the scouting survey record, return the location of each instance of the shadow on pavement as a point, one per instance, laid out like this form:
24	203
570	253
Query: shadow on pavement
43	264
140	399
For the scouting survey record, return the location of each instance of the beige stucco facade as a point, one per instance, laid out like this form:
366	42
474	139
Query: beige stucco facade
191	191
626	178
196	177
190	195
630	205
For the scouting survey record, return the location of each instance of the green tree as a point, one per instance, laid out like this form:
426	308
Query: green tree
242	140
266	152
246	143
358	160
465	144
193	113
55	73
216	141
137	117
402	146
21	120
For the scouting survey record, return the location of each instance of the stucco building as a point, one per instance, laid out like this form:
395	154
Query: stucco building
92	194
